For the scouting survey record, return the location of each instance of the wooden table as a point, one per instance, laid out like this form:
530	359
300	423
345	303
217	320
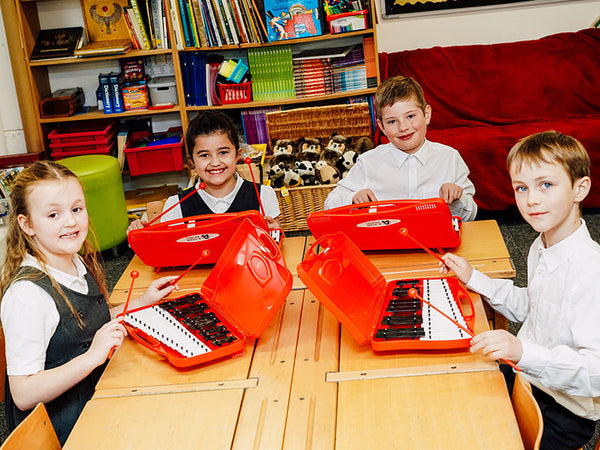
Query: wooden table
305	383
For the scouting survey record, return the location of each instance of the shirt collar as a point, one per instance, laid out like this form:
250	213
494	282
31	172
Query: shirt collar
565	249
400	157
63	278
228	199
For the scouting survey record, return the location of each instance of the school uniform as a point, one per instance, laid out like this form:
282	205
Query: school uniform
64	338
393	174
559	311
241	198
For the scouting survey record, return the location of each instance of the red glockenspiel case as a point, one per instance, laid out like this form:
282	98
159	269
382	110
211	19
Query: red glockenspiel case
238	299
380	312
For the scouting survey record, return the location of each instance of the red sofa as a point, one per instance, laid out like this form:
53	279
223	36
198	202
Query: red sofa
484	98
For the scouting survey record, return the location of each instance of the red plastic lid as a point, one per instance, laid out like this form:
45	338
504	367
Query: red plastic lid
346	282
250	281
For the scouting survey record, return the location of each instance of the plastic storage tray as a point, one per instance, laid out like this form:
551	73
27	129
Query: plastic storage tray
153	159
78	132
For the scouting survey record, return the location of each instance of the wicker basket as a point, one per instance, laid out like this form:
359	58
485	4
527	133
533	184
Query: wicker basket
351	121
303	200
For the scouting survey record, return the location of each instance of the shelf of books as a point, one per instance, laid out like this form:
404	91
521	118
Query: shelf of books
168	59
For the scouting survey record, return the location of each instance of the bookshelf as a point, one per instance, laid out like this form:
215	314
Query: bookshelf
33	79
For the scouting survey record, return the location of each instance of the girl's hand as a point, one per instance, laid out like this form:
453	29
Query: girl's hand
459	265
110	335
273	223
498	344
157	290
450	192
363	196
136	225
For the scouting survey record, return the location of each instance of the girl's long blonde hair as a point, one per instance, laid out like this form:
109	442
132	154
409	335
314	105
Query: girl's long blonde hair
19	244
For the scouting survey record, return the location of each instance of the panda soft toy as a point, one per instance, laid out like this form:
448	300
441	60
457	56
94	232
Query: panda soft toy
306	170
275	174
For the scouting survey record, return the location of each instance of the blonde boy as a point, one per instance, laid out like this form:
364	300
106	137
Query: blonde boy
410	166
558	345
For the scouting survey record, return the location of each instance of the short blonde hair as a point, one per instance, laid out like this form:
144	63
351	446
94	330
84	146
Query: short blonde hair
551	147
398	88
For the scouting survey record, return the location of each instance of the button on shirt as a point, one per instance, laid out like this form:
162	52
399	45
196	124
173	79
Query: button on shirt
560	316
221	205
393	174
29	317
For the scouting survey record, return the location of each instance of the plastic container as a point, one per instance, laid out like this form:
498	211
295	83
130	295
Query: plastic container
155	158
163	91
82	132
106	150
100	145
235	93
243	292
345	22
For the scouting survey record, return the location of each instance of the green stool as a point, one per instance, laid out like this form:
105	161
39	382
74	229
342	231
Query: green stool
100	176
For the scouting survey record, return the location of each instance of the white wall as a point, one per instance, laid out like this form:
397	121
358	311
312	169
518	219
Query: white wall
12	139
483	26
501	24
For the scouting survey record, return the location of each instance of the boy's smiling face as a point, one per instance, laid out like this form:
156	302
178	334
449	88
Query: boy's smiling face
405	124
547	199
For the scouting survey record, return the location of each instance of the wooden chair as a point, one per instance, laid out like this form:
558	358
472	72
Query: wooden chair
34	433
527	411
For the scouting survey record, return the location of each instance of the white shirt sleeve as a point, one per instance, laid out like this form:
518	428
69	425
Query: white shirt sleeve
175	213
29	318
269	200
345	189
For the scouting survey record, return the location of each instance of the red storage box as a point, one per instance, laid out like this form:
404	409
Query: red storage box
377	225
100	145
239	298
179	242
235	93
78	132
381	313
153	159
101	151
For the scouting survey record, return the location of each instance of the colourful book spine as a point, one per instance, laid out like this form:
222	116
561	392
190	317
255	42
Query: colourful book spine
194	38
184	23
199	23
115	90
106	93
140	21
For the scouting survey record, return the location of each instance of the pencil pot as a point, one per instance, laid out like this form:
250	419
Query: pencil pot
235	93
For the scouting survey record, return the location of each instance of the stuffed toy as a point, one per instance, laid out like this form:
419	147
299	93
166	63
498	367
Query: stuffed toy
335	149
326	173
291	178
346	162
309	149
363	144
306	170
275	174
284	151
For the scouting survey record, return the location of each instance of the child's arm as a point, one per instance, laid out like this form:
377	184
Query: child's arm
136	225
459	265
273	223
450	192
498	344
363	196
157	290
46	385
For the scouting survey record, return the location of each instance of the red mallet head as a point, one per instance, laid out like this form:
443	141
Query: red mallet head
412	293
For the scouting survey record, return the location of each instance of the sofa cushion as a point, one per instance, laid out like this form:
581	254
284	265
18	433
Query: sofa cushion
497	84
484	149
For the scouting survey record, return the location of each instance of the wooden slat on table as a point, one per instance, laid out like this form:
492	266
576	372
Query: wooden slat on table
192	420
261	423
456	411
311	418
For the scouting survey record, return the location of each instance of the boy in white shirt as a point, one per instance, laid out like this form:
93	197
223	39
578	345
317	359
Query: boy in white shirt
558	345
409	166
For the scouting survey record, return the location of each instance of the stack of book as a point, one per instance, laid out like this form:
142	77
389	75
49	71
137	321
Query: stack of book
147	24
350	72
254	123
193	72
214	23
313	77
272	72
